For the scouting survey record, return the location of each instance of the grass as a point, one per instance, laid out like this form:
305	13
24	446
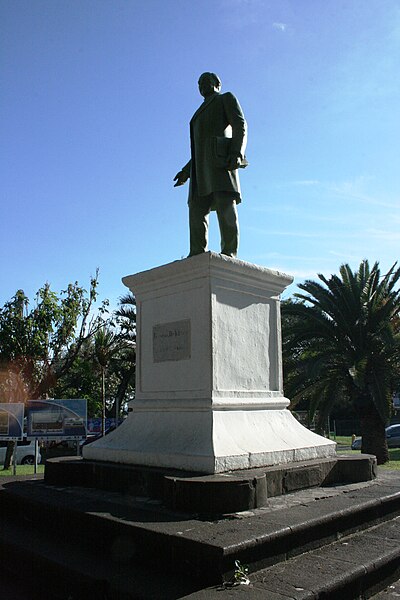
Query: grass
342	440
394	462
394	453
394	458
21	470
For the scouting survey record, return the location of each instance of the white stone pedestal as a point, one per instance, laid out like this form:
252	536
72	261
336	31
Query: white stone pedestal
209	393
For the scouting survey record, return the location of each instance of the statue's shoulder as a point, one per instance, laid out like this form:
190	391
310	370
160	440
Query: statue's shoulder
228	96
229	99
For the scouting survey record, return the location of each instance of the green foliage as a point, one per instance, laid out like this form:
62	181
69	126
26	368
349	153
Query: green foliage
104	345
341	339
241	573
112	348
61	348
38	345
82	380
125	317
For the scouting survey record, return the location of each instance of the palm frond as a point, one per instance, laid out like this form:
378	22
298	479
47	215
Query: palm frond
343	334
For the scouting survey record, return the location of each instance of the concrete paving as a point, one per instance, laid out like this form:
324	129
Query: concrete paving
12	588
391	592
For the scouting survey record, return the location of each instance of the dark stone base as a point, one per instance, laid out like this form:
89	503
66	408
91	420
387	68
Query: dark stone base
210	494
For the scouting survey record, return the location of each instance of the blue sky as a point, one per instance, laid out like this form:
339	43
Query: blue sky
95	100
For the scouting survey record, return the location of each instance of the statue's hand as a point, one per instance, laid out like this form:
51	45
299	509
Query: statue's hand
233	163
180	178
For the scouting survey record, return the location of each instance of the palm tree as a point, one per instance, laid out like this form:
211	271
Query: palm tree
104	348
126	321
126	316
343	338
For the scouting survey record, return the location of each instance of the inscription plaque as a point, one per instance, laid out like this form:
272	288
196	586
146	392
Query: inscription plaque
171	341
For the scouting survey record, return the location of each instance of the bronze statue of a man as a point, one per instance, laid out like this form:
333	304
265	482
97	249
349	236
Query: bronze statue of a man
218	134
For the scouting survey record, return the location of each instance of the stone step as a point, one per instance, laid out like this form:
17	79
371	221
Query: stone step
352	568
204	549
218	493
390	592
355	567
57	569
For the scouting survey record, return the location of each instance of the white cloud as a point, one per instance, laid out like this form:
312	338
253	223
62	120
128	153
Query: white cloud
279	26
345	255
381	234
285	257
308	273
306	182
304	234
353	189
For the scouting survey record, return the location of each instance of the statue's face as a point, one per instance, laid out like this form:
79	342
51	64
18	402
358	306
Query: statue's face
207	86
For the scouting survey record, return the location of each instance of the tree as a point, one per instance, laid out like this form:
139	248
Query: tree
39	345
82	379
343	337
12	388
104	347
125	317
42	343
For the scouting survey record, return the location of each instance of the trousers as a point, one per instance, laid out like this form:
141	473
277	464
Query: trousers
199	210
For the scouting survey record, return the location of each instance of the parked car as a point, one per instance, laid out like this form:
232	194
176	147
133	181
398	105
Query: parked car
392	436
25	452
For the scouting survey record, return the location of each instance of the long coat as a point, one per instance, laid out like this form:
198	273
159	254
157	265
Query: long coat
218	128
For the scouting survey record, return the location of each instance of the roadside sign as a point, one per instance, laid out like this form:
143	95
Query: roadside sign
57	419
11	421
94	424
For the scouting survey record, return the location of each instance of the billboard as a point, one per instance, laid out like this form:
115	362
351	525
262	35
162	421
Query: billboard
57	419
94	424
11	421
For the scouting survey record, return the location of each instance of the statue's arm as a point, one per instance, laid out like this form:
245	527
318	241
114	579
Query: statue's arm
183	174
238	123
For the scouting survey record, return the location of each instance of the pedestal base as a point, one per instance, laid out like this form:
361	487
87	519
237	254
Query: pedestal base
213	441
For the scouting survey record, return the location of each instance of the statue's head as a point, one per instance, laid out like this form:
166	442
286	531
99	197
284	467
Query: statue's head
208	84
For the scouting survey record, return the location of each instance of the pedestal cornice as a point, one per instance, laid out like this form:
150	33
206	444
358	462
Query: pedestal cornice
211	265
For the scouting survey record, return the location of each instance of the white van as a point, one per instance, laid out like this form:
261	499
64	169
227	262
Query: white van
25	452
